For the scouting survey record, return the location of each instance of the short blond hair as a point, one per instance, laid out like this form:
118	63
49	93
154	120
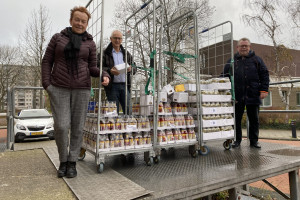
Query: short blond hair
80	9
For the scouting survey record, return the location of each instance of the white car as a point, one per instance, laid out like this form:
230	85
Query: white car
38	123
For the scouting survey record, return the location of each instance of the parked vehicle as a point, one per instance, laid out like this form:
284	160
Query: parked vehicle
33	123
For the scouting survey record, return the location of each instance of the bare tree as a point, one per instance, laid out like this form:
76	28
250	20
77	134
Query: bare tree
9	70
293	9
33	43
265	20
173	36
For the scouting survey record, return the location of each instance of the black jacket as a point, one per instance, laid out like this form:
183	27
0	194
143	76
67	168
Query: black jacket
108	63
250	77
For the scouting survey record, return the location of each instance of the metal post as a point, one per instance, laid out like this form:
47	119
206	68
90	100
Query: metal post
294	184
233	194
293	125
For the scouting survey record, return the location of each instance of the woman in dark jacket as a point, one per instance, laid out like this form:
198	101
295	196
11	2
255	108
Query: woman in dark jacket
251	84
68	64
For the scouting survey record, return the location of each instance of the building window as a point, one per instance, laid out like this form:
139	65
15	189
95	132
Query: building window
298	98
267	102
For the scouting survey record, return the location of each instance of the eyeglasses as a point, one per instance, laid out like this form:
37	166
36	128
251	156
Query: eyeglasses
244	46
117	38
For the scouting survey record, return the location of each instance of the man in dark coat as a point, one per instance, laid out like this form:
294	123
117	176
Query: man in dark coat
114	55
251	84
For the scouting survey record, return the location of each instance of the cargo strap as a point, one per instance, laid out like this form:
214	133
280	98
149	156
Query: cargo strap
179	56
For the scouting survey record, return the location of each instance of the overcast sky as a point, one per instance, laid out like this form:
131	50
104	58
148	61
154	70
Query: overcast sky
14	15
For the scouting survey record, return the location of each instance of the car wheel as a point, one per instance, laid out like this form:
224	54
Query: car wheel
50	134
19	137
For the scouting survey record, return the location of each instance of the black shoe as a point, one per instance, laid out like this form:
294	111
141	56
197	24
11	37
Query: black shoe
62	170
71	170
236	144
255	145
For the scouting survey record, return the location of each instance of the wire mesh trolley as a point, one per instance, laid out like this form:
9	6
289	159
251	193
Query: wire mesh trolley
217	93
106	133
173	120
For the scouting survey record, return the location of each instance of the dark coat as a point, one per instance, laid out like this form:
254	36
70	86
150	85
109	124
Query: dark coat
54	66
251	76
108	63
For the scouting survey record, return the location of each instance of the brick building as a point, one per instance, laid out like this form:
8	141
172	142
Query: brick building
214	57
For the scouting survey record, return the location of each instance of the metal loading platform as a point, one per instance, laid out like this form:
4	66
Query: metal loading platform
178	176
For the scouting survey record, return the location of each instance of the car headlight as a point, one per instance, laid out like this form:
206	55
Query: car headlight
49	126
20	127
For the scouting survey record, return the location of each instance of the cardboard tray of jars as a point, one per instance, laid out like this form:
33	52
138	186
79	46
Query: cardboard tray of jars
117	124
118	142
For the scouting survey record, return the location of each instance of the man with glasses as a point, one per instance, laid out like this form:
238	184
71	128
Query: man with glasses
114	55
251	84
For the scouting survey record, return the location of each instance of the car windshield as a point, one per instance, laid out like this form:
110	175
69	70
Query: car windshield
34	113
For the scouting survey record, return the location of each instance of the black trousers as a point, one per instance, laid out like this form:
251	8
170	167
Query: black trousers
253	117
117	94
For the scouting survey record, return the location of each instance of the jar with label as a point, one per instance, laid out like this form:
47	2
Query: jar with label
161	121
170	136
163	136
192	134
160	108
136	140
159	136
175	134
144	137
106	142
122	143
131	140
147	123
111	123
149	141
105	107
167	108
171	121
182	120
184	134
192	121
184	108
133	122
123	123
151	121
117	140
179	107
101	141
126	139
118	123
111	141
139	122
107	124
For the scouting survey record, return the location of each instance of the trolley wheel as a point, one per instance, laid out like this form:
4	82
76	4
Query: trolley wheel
100	168
149	162
156	159
82	154
194	154
227	144
123	159
192	151
130	158
203	150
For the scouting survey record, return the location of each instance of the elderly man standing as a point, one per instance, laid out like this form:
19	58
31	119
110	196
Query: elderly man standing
251	84
114	55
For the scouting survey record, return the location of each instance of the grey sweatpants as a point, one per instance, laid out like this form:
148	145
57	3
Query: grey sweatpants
69	108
